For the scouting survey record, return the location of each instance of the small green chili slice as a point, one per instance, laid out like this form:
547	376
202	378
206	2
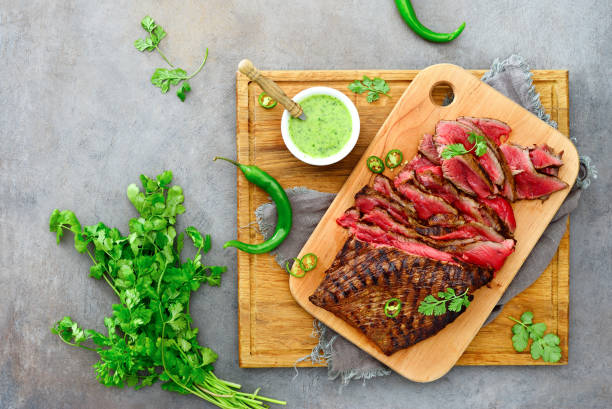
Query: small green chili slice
393	307
309	262
297	260
375	164
394	158
266	101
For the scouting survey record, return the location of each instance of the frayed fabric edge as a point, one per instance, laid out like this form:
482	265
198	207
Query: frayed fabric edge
515	60
323	352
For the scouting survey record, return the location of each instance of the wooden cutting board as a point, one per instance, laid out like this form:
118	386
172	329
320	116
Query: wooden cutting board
273	329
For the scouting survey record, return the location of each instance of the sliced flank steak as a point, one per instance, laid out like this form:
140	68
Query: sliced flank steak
530	184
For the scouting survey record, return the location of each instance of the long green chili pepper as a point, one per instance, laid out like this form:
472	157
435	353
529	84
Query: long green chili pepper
283	209
407	11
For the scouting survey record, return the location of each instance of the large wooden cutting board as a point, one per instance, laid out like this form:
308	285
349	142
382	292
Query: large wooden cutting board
414	114
273	329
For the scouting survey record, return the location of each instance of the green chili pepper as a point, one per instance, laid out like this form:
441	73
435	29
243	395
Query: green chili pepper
393	307
288	269
375	164
283	209
266	101
309	262
394	158
407	11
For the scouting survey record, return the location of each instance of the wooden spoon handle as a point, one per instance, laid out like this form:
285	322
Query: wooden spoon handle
270	87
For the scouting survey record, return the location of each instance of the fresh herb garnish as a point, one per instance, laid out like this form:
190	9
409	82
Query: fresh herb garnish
375	87
456	149
149	336
162	77
545	346
432	306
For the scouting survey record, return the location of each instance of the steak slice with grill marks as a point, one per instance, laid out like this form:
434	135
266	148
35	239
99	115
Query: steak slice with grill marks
407	172
363	277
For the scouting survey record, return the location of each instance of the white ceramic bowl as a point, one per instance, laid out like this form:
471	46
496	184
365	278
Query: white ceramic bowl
346	149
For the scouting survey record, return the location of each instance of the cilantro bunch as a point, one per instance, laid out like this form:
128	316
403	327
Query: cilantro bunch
432	306
543	345
149	334
163	77
374	87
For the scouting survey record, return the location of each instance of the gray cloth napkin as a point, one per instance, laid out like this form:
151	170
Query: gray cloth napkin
512	78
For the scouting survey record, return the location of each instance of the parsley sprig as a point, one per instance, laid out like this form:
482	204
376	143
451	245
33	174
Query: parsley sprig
456	149
545	346
374	87
163	77
432	306
149	334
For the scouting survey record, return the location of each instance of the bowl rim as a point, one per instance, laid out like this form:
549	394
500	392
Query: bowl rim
346	149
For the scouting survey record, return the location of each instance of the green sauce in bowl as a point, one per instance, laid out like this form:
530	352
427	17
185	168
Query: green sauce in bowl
327	127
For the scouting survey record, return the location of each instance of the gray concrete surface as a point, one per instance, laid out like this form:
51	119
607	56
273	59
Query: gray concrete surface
79	120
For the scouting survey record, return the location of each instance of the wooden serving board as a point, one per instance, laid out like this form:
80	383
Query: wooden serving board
273	329
414	114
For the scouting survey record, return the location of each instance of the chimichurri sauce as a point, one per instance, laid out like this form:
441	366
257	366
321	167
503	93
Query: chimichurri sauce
326	129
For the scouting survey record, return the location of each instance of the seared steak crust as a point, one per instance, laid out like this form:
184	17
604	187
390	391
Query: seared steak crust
363	277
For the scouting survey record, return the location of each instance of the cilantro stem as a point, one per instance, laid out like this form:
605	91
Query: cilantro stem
517	321
200	67
104	275
163	56
76	345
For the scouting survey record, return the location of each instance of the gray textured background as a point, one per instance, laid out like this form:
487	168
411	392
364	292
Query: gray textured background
79	121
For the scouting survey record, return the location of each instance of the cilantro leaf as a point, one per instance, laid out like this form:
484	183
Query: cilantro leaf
184	89
148	24
545	346
452	150
374	87
357	87
456	149
433	306
520	339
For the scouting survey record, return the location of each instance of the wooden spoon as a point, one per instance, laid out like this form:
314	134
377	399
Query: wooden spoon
272	89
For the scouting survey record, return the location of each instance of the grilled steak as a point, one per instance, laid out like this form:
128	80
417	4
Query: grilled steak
504	212
363	277
432	180
490	160
530	184
492	134
426	205
467	247
428	149
494	129
407	172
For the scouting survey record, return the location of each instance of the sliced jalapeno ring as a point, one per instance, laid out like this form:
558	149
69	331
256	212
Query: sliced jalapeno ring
309	261
375	164
266	101
393	307
394	158
289	270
